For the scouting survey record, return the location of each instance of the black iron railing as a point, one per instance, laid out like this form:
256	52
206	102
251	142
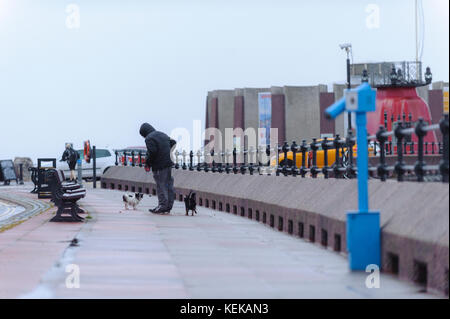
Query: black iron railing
392	154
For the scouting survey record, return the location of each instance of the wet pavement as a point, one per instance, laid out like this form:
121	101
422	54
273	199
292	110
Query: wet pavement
136	254
17	205
7	210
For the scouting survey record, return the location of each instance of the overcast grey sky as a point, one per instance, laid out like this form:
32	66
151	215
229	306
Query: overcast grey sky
135	61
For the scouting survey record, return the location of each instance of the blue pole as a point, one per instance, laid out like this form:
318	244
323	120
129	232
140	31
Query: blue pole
363	226
362	162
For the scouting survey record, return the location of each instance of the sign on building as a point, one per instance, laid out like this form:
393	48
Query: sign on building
265	117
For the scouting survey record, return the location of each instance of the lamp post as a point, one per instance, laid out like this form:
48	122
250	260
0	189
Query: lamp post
348	49
94	166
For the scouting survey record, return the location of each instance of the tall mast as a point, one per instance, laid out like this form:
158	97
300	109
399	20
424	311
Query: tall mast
417	34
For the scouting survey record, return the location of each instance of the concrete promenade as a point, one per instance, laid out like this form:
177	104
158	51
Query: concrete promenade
135	254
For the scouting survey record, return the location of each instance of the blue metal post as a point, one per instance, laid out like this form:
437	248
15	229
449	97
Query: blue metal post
80	172
363	162
363	226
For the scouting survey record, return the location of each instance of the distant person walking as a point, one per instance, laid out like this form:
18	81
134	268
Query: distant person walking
158	158
71	157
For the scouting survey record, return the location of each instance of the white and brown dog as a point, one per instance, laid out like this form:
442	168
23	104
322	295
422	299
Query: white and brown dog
132	200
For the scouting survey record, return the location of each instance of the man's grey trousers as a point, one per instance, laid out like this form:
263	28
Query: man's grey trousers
164	188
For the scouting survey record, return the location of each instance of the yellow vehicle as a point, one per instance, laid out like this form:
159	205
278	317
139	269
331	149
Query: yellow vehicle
320	156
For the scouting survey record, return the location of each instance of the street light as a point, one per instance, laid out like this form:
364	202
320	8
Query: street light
348	48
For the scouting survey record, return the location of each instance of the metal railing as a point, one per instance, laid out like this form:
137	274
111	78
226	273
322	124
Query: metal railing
399	73
420	168
130	158
301	159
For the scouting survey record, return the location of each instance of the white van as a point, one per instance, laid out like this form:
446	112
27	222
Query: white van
105	159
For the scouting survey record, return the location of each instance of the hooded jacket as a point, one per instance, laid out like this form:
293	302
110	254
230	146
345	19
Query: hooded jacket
71	156
159	146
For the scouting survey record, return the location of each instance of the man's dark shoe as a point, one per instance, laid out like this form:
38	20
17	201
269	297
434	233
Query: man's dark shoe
152	210
161	211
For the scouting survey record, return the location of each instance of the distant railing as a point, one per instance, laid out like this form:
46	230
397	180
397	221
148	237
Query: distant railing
420	168
402	73
302	159
130	157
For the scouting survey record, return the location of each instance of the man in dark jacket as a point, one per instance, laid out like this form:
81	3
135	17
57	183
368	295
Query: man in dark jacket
159	146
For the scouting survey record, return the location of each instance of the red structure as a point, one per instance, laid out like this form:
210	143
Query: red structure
399	101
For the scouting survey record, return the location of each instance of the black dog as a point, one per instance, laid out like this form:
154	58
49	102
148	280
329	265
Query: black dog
190	203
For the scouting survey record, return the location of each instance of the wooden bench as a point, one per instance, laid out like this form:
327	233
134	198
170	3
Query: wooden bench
34	178
65	196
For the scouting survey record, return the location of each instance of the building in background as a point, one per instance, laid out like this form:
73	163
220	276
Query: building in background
296	111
